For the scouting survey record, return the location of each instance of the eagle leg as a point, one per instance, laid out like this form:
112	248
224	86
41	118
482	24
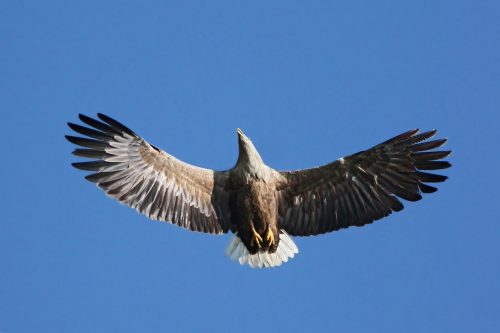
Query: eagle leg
256	238
270	237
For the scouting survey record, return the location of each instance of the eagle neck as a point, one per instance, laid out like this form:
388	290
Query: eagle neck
250	165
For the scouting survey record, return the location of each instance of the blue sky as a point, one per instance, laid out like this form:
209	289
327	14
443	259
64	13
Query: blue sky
308	83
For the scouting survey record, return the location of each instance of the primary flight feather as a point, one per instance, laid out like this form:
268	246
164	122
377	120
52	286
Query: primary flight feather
260	205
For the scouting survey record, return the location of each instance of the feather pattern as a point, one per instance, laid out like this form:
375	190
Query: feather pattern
287	249
148	179
361	188
260	205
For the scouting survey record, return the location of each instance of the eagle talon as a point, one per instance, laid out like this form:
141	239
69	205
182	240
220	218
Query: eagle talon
270	237
256	238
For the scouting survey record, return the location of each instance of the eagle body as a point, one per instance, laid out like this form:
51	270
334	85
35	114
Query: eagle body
261	206
253	207
253	199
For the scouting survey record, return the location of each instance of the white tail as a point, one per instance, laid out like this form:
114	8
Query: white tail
236	250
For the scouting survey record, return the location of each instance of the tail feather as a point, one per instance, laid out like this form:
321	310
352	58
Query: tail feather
287	249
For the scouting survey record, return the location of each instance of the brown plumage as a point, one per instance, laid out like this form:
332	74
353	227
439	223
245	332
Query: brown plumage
260	205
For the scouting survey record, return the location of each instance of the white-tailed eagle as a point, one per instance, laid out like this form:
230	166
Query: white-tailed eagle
261	206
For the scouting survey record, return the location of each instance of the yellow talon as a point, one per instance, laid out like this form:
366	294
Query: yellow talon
270	237
256	237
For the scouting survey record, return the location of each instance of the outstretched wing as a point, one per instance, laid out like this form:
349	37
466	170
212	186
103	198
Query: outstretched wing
361	188
148	179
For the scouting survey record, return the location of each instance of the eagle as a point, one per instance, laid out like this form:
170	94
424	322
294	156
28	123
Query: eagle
261	206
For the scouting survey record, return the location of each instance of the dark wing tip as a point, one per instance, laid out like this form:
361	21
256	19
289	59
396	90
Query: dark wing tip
432	165
417	138
88	143
403	136
430	177
426	188
430	155
428	145
72	139
115	124
91	153
84	118
99	125
89	166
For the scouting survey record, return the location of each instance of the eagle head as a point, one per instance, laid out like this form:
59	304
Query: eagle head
249	158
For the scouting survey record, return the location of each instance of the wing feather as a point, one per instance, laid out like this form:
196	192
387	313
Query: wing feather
361	188
148	179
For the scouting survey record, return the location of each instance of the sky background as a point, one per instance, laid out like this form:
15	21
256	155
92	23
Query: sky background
309	83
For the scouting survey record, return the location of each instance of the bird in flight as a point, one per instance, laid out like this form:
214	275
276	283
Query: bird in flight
261	206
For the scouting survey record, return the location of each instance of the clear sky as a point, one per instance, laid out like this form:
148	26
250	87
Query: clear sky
309	82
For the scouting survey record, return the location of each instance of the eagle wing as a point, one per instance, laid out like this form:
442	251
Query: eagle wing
361	188
148	179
